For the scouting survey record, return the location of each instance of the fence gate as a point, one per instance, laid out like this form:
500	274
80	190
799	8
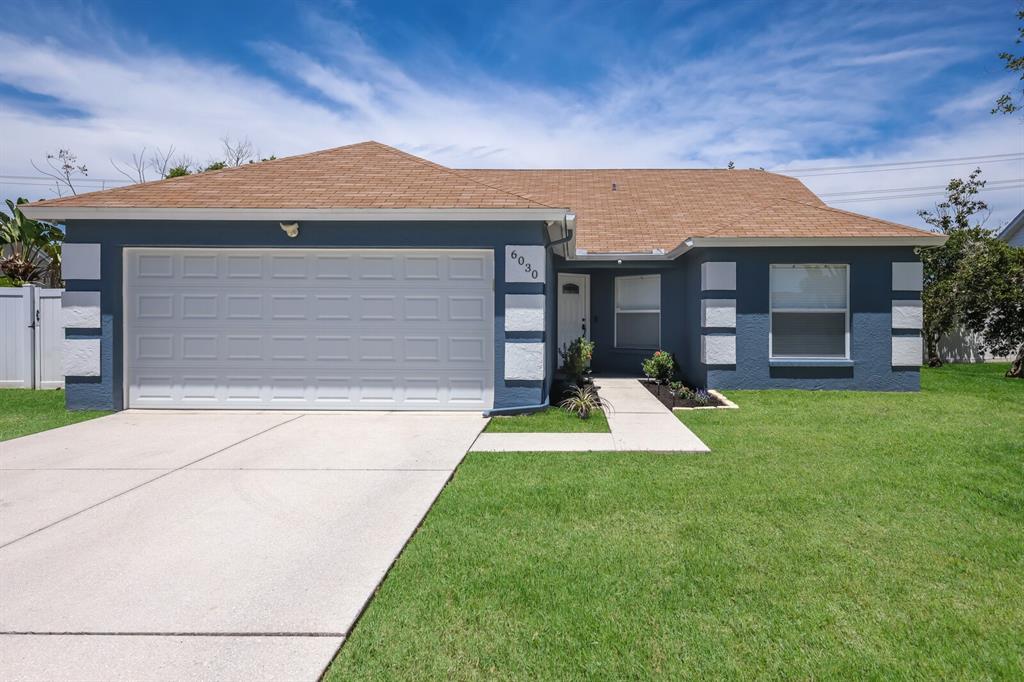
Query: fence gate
31	337
16	333
49	338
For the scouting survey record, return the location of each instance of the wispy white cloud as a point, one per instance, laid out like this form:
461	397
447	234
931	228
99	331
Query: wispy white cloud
888	57
770	101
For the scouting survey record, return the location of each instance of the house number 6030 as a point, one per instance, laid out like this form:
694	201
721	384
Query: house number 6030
527	268
525	263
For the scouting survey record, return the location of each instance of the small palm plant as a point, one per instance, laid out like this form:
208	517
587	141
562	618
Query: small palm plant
581	401
29	249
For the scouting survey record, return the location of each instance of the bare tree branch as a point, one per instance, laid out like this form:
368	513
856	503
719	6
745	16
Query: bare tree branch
64	167
237	152
160	162
136	167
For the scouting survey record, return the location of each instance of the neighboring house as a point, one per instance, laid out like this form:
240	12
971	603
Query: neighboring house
1013	233
363	277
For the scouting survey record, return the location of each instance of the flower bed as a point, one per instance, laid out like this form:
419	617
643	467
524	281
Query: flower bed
669	398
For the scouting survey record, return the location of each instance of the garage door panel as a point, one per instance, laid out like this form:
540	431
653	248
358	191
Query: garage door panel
364	390
158	307
332	329
187	348
290	266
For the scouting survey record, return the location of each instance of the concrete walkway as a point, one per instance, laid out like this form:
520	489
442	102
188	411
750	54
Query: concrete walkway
178	545
638	422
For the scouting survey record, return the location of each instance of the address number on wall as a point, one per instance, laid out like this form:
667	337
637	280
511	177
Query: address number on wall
524	263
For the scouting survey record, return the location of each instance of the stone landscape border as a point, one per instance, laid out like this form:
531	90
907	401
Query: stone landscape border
726	403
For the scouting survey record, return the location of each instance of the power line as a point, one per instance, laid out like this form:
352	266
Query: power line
915	196
960	159
882	190
84	179
906	168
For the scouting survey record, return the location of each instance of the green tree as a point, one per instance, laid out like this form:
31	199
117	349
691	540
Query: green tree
30	248
1010	102
955	218
989	288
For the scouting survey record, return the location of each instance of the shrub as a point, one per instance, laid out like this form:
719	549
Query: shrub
576	358
582	400
685	393
660	367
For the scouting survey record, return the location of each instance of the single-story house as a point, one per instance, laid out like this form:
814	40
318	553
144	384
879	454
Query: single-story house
363	277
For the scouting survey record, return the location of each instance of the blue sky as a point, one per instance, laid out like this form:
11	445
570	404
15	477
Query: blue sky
527	84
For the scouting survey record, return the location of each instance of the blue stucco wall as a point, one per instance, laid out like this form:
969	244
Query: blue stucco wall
871	299
106	391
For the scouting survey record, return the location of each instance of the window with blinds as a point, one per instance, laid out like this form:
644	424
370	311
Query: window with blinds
809	312
638	312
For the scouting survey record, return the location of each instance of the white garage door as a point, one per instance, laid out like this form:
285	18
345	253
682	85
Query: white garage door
375	329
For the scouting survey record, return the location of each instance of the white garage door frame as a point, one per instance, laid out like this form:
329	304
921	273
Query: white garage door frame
478	286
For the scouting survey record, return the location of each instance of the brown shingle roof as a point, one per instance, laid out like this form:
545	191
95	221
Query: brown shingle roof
660	208
617	210
790	218
364	175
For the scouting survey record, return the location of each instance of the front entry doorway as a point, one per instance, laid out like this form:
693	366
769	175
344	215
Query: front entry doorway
573	308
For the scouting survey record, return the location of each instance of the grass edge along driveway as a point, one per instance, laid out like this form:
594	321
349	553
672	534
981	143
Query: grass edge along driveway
838	534
549	420
24	411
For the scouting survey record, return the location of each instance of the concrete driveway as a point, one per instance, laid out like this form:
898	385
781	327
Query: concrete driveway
207	545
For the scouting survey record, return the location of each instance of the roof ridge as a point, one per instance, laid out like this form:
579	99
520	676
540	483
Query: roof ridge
194	177
453	171
753	209
208	173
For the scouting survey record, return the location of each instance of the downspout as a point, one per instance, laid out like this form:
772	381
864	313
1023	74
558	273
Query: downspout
569	225
570	219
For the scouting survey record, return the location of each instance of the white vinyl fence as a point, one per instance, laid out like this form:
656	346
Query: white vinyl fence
31	337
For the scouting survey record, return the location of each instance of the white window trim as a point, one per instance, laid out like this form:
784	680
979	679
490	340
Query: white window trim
643	310
772	310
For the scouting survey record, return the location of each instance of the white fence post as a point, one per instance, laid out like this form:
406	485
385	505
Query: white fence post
31	337
16	346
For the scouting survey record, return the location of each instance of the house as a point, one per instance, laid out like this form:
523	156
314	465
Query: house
1013	233
363	277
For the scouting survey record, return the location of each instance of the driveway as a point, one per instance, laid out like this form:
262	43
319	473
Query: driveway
207	545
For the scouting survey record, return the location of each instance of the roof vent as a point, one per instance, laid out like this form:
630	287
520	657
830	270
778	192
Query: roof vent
614	187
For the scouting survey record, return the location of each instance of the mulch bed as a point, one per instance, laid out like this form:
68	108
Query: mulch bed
662	393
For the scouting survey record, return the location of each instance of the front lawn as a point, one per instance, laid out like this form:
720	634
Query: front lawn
850	535
24	411
550	420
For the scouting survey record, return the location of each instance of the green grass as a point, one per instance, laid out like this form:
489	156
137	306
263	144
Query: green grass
24	411
827	535
551	420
